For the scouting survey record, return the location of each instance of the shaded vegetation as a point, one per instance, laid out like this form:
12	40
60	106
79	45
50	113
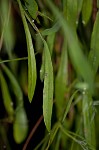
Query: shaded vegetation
49	58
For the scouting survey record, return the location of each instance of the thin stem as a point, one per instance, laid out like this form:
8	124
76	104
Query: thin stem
10	60
32	132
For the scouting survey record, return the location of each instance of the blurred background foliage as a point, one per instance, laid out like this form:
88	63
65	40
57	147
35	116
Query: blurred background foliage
60	47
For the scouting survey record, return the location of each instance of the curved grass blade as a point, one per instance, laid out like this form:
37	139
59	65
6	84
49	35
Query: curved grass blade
31	57
68	106
50	42
48	82
51	30
70	7
15	86
48	87
20	126
61	79
53	134
86	11
76	55
6	97
44	15
42	69
43	141
32	8
94	52
89	126
80	140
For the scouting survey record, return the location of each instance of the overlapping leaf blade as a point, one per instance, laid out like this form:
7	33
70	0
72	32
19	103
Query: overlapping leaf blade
32	8
31	57
75	52
94	52
86	11
6	97
20	125
89	126
15	86
61	80
70	7
48	87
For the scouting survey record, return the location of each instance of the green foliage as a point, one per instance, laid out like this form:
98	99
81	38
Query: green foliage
20	126
94	52
32	8
86	11
48	87
6	97
31	57
61	79
66	36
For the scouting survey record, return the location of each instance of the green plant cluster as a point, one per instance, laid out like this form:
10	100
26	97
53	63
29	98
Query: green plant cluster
65	33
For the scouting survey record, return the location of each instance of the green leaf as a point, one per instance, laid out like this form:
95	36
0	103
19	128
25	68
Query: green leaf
79	5
50	42
76	138
97	3
75	52
51	30
20	126
70	11
6	97
61	79
86	11
94	52
89	126
32	8
68	105
53	134
7	26
42	70
15	86
44	15
48	87
32	75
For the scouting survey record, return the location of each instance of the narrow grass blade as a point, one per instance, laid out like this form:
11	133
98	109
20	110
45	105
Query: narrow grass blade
32	8
44	15
6	97
70	7
50	42
51	30
76	138
68	105
61	79
42	69
48	87
94	52
15	86
89	127
31	57
48	82
79	5
75	52
86	11
53	134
